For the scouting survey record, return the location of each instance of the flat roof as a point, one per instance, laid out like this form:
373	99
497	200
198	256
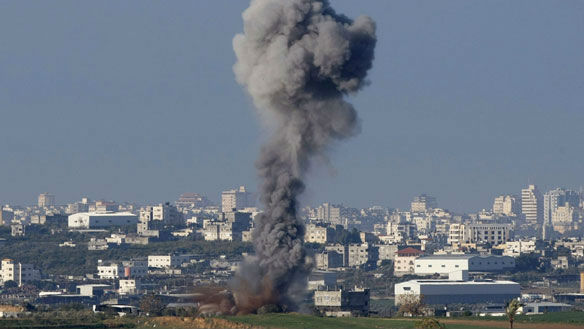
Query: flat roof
459	256
448	282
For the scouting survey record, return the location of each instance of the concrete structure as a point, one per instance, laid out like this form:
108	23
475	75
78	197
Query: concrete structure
532	205
544	307
507	205
563	217
423	203
166	261
87	220
129	287
18	272
319	234
46	200
192	200
480	233
109	271
361	254
329	259
443	292
516	248
340	302
233	200
404	262
321	279
329	213
445	264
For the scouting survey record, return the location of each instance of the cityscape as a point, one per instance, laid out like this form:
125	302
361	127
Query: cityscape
101	252
292	164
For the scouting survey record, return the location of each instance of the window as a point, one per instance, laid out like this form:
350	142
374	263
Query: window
407	288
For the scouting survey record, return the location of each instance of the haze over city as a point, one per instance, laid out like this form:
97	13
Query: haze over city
120	102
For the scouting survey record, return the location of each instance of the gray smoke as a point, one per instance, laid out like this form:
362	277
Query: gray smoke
297	59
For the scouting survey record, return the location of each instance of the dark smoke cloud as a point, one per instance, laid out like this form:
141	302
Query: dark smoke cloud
297	59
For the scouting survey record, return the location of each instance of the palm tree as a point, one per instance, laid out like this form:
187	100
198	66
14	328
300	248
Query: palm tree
511	310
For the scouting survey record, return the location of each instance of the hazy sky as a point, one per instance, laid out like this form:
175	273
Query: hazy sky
136	100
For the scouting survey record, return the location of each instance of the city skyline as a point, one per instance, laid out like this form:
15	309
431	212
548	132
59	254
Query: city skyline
466	102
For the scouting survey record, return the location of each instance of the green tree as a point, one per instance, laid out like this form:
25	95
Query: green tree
511	310
151	304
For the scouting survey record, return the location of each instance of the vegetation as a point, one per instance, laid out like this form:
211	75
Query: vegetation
429	323
411	305
511	311
46	255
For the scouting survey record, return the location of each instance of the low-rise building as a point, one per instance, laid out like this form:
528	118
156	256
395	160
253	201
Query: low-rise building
445	264
166	261
340	302
129	287
457	291
18	272
404	261
87	220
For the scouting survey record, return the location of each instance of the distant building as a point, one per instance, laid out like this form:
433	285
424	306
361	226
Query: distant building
361	254
319	234
166	261
445	264
517	248
507	205
532	205
46	200
129	287
487	233
17	230
18	272
340	302
88	220
329	259
109	271
404	262
321	279
329	213
563	217
457	290
423	203
233	200
192	200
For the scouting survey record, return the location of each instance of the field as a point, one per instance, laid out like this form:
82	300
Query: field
567	320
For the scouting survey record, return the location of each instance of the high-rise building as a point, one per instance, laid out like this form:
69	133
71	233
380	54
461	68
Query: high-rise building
423	203
552	201
507	205
532	204
329	213
192	200
236	199
46	200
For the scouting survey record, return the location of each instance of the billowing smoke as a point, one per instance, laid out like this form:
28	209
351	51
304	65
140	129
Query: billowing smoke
297	59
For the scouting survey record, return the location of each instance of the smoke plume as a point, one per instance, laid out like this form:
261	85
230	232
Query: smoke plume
297	59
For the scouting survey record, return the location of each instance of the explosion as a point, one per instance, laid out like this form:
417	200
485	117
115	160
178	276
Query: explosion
297	59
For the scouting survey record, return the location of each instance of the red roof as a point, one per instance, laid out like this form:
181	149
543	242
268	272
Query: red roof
408	251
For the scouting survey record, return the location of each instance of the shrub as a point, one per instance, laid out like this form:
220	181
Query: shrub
429	324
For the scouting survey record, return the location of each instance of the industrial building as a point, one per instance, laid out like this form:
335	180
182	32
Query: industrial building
458	289
444	264
88	220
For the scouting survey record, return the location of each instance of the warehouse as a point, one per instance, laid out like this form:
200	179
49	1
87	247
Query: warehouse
444	264
87	220
458	290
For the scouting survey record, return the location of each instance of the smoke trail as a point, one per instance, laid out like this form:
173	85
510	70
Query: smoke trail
297	59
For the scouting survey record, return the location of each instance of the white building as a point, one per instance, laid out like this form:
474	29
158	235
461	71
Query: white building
507	205
166	261
516	248
109	271
445	264
18	272
236	199
318	234
329	213
532	204
87	220
129	287
457	291
423	203
404	261
46	200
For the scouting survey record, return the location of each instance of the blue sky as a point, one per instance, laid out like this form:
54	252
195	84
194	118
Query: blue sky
136	100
